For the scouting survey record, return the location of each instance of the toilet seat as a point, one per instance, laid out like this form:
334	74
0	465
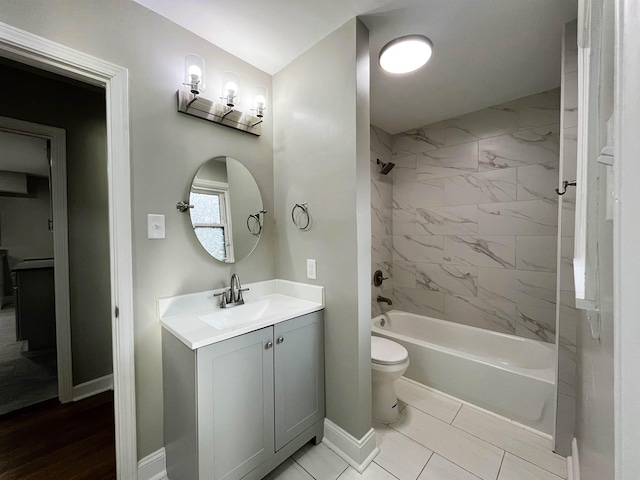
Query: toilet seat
387	352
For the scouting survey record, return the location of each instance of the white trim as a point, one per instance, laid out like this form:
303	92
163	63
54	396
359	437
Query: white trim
153	466
574	473
357	453
57	137
626	235
45	54
92	387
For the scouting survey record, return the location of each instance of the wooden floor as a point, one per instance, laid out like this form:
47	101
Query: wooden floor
52	441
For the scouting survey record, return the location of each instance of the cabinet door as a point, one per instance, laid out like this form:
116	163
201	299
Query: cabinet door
299	375
235	405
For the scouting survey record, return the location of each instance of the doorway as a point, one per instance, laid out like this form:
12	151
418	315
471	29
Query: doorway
52	57
28	370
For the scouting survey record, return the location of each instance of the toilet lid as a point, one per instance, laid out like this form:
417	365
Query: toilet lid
386	352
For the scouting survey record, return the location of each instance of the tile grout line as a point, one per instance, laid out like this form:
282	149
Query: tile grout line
440	455
382	469
504	454
505	450
535	464
427	463
456	415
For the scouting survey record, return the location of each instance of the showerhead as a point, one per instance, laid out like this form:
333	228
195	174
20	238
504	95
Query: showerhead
385	167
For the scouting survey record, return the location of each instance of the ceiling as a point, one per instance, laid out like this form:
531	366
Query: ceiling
486	52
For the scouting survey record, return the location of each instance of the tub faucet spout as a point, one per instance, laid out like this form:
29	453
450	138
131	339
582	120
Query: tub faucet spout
384	299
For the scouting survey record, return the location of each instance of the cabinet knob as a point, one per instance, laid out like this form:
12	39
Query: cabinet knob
268	345
280	340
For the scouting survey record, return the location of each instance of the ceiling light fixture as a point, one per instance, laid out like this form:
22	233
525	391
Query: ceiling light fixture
405	54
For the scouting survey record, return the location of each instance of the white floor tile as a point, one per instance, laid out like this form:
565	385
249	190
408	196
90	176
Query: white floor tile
514	468
469	452
320	461
288	470
440	468
372	472
399	455
511	438
429	402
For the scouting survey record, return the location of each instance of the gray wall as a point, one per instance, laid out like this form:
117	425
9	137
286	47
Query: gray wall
167	147
24	227
321	147
81	112
475	217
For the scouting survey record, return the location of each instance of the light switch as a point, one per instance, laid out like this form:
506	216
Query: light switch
155	226
311	268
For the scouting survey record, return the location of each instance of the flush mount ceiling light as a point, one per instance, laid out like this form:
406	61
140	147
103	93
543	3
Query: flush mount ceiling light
405	54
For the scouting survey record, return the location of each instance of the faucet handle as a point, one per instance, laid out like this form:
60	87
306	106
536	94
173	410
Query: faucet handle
223	300
240	299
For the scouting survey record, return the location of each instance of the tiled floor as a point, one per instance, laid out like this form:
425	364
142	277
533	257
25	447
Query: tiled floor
26	377
437	438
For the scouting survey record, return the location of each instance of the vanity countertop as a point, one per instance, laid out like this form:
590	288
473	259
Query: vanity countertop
197	319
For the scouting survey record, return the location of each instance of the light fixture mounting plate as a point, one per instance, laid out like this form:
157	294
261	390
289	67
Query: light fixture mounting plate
217	113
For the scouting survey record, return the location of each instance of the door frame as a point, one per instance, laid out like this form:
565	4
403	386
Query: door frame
44	54
58	172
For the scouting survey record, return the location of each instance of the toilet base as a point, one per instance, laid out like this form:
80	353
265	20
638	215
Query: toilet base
384	402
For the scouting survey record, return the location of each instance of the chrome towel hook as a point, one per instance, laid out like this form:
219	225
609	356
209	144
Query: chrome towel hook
566	184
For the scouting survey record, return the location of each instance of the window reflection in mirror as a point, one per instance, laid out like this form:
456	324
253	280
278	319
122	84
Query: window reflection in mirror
225	196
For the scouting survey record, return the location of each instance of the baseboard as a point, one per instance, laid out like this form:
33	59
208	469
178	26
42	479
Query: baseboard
575	460
153	466
92	387
357	453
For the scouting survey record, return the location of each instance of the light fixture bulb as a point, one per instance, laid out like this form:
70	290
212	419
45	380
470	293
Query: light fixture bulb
405	54
195	73
259	101
231	88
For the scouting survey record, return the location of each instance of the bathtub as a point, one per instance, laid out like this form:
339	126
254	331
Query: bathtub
508	375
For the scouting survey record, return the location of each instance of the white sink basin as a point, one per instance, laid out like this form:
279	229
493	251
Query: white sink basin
249	312
197	320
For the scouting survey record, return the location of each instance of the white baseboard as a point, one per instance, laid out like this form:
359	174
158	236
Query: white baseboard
153	466
575	460
92	387
357	453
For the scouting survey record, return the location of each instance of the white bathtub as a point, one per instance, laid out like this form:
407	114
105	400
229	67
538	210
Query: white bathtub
511	376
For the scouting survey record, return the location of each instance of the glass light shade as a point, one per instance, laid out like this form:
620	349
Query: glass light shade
194	73
259	100
230	83
405	54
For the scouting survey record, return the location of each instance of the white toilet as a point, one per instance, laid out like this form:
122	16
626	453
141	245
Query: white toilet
389	360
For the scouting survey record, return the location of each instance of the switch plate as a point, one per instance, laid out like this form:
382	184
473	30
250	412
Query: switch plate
155	227
311	268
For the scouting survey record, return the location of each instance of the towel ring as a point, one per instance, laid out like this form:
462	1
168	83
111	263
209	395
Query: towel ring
256	230
305	211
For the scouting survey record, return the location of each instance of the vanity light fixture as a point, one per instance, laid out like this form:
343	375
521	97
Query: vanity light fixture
194	73
405	54
225	110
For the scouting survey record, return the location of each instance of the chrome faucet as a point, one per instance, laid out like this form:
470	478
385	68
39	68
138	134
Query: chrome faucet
384	299
234	296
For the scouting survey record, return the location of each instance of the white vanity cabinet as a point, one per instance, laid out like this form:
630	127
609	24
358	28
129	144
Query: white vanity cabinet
239	407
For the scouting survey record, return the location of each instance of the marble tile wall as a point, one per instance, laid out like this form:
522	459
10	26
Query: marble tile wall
474	217
381	217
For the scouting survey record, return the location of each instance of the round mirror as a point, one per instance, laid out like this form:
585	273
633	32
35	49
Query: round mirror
227	214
